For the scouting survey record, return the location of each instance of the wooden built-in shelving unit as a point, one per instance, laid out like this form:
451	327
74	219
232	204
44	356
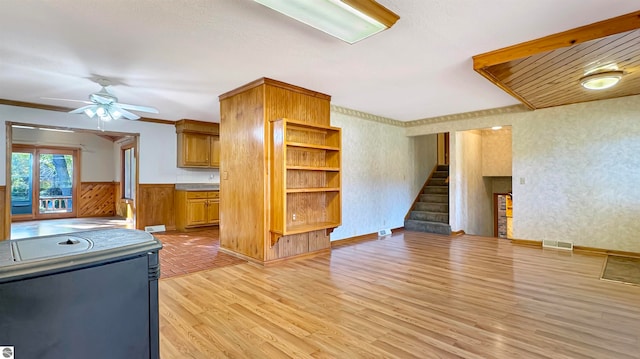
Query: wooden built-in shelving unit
305	177
280	187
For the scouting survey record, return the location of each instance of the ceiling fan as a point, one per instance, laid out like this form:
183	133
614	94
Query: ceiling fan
104	104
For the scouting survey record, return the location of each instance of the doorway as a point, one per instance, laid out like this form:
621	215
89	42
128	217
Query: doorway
44	182
443	148
503	215
93	167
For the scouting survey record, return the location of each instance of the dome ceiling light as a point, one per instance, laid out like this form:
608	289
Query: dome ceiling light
601	80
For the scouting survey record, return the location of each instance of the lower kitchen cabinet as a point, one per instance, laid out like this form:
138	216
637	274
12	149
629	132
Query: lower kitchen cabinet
197	209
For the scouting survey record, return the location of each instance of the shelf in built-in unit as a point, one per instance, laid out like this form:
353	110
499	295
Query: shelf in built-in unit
314	146
316	189
303	228
310	168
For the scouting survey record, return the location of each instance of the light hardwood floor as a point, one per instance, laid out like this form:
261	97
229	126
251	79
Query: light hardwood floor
413	295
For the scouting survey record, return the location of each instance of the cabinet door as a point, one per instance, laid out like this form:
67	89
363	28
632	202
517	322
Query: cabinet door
196	212
196	150
215	152
213	211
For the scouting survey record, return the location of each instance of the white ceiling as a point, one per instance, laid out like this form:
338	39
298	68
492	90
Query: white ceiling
179	55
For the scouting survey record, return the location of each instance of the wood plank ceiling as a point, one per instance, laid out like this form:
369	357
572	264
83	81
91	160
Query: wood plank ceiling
546	72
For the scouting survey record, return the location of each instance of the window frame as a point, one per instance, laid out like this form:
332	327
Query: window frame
128	186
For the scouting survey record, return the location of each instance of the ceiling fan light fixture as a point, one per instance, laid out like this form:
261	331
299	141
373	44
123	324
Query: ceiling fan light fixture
348	20
89	112
601	80
115	114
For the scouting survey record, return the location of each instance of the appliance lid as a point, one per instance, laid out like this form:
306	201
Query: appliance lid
45	247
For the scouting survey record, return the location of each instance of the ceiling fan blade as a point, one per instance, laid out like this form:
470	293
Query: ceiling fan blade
65	99
126	114
138	108
83	108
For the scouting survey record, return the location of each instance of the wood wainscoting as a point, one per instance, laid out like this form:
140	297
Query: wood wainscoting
156	205
97	199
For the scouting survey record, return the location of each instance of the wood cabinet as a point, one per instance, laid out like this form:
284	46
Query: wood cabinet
198	144
305	177
196	209
280	170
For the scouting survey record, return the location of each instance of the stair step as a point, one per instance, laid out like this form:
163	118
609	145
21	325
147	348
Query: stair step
443	168
437	182
427	227
432	207
434	198
440	174
429	216
436	190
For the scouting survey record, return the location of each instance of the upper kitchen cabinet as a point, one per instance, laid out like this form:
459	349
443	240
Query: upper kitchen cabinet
198	144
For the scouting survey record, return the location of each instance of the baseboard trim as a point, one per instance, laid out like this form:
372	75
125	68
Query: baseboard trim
273	261
592	250
605	251
299	256
362	238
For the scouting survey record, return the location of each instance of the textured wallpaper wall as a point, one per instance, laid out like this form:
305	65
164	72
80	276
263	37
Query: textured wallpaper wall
377	176
581	170
496	152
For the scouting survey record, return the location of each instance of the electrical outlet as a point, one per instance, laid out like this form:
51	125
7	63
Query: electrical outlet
294	216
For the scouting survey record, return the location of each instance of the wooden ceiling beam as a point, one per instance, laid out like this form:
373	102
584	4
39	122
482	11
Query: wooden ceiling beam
578	35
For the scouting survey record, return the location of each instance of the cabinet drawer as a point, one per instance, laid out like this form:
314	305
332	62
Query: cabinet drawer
213	195
194	195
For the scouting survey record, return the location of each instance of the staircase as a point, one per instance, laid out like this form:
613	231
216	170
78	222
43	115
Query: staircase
430	212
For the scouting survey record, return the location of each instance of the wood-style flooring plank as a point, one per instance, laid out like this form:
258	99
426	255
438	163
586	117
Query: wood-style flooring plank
411	295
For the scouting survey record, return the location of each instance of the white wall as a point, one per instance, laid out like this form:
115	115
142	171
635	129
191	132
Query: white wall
96	157
157	141
377	176
581	166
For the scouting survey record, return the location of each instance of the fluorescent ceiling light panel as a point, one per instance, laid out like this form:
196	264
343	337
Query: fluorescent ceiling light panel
54	129
348	20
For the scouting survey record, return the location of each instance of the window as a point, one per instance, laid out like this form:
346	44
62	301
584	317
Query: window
128	172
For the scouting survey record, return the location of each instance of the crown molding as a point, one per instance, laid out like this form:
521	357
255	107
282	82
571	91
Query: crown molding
366	116
519	108
469	115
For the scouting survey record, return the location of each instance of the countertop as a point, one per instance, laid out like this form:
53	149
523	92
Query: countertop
197	186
